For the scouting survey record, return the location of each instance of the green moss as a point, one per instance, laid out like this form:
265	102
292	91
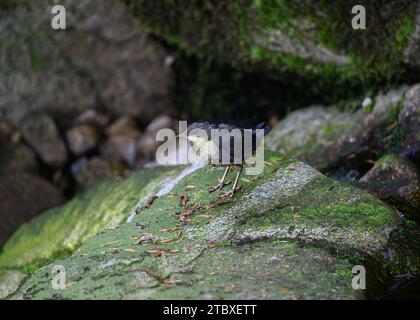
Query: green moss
398	135
332	29
404	30
192	25
206	89
226	31
404	244
219	273
333	210
331	129
36	265
342	224
369	108
383	161
411	224
346	273
65	229
226	244
395	111
221	71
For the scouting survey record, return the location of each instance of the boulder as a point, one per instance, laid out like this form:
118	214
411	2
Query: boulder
120	148
9	282
17	157
290	233
397	182
96	170
7	130
409	131
328	138
309	38
148	144
411	53
22	197
104	60
125	125
62	230
121	144
41	133
82	139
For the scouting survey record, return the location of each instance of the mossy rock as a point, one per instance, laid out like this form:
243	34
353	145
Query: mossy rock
334	137
60	231
289	233
397	182
309	38
9	282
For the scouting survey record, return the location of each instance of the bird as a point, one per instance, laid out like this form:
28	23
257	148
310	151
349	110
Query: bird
222	151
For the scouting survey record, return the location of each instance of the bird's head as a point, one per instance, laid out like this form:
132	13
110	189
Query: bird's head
197	132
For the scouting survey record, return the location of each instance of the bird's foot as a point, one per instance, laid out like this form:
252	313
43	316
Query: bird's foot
220	186
230	194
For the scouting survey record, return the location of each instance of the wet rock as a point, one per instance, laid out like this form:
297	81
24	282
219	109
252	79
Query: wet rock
121	144
290	233
93	171
409	122
118	66
397	182
82	139
41	133
17	157
22	197
327	138
9	282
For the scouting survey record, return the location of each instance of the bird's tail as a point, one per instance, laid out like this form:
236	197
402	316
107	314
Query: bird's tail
267	128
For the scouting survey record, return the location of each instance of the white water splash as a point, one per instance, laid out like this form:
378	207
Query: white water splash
169	184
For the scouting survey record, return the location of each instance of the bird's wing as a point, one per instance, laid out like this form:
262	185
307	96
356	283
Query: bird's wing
227	126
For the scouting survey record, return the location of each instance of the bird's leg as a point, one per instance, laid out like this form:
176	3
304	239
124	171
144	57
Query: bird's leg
234	189
222	181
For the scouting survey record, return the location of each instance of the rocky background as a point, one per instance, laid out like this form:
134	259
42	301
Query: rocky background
79	110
